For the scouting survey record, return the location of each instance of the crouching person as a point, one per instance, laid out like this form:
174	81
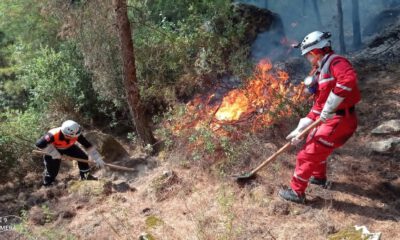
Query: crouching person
61	141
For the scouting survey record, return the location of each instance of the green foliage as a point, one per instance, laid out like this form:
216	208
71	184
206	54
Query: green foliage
29	22
226	200
153	221
237	153
181	9
178	54
18	132
91	25
62	58
25	26
164	133
133	138
7	75
53	82
58	80
48	214
349	233
5	41
180	48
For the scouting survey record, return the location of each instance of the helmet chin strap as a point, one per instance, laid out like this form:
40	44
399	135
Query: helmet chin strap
319	62
323	59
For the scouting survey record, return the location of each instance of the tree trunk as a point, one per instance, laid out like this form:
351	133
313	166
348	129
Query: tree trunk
356	25
340	23
318	15
130	82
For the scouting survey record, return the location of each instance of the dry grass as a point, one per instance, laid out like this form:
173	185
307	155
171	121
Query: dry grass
195	203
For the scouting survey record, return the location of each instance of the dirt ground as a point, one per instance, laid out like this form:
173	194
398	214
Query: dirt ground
185	202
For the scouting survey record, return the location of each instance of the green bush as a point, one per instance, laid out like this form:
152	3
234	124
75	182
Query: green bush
58	81
179	52
18	133
56	86
29	23
180	48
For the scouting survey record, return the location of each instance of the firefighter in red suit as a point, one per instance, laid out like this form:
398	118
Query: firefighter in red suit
334	85
62	141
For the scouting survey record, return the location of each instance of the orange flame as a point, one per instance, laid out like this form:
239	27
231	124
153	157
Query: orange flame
233	106
266	91
267	96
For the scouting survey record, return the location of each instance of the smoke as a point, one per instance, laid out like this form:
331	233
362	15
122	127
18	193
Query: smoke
268	44
299	18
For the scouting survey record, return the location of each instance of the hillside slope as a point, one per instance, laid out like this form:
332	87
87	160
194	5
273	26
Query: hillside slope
185	202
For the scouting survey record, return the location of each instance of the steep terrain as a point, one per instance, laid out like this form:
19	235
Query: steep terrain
186	202
170	200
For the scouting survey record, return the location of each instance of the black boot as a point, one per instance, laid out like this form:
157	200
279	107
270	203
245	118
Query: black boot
87	176
47	183
319	181
290	195
91	177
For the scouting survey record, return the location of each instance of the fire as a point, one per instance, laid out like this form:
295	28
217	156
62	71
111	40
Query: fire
266	97
233	106
265	92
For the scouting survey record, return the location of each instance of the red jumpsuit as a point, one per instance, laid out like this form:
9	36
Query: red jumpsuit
335	74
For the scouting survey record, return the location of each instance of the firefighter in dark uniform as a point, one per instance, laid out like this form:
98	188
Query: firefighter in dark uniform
61	141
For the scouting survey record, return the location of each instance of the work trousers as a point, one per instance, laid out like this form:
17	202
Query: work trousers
52	166
320	142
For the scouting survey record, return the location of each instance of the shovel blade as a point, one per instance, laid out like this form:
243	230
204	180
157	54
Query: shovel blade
244	178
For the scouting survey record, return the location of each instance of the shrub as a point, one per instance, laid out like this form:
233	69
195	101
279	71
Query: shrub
186	50
57	80
18	133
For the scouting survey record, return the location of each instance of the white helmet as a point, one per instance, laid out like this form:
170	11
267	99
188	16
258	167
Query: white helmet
71	129
315	40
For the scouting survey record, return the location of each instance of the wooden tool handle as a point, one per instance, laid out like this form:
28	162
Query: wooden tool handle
282	149
64	157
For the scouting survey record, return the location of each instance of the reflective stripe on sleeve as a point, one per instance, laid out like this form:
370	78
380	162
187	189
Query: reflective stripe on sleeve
316	112
343	87
326	80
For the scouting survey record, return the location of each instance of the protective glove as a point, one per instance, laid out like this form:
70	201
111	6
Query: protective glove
303	123
52	151
330	106
94	155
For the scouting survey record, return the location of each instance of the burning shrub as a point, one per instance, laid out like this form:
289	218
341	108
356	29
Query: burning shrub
217	127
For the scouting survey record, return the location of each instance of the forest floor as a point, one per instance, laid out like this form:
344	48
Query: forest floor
175	201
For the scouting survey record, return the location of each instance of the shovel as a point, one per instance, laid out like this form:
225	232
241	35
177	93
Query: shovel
251	175
87	161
